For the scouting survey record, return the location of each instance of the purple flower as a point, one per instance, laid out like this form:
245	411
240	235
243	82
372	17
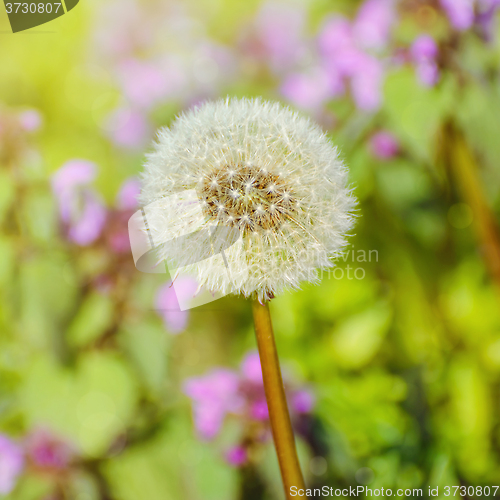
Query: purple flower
118	238
259	410
214	396
71	175
143	82
222	392
344	59
372	26
127	196
485	17
424	47
424	52
384	145
459	12
366	84
428	73
123	27
237	456
167	303
49	452
87	227
280	28
337	45
11	464
311	90
30	120
251	368
302	401
128	128
488	4
80	208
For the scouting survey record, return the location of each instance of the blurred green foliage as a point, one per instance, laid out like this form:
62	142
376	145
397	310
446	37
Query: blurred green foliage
405	363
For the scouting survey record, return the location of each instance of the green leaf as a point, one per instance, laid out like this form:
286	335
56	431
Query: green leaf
94	317
357	339
147	344
91	404
416	112
173	466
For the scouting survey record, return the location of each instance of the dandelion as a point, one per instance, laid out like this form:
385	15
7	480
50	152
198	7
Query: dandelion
274	177
263	170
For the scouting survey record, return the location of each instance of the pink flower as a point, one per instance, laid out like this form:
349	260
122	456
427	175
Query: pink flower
143	82
237	456
302	402
311	90
49	452
214	396
87	227
251	368
222	392
424	47
424	52
119	241
127	196
428	73
372	26
11	464
259	410
167	303
122	28
337	45
80	208
488	4
71	175
459	12
117	236
128	128
366	84
384	145
345	59
30	120
335	36
280	27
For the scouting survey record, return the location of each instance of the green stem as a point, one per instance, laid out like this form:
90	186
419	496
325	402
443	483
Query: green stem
466	170
279	417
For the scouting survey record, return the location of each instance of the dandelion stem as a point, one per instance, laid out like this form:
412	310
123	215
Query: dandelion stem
281	426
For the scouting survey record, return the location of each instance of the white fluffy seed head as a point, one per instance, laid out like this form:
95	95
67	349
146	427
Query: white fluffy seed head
260	168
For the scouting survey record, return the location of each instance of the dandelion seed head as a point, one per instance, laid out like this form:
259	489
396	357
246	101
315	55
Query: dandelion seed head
264	170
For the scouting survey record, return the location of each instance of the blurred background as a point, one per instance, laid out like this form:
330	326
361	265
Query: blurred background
392	363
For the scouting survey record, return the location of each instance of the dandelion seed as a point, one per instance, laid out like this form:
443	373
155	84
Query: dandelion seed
291	188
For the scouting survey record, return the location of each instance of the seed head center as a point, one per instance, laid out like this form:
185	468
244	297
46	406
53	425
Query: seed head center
247	197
